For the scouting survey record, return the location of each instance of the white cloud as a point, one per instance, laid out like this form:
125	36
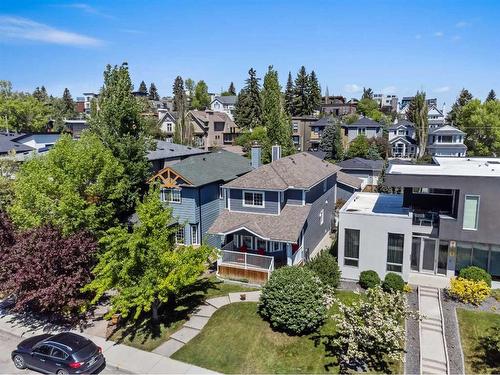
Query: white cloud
438	34
24	28
418	36
352	88
462	24
442	89
389	90
87	9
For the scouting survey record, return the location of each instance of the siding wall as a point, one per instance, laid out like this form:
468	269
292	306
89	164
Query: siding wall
186	210
210	209
369	133
345	192
293	196
317	191
270	206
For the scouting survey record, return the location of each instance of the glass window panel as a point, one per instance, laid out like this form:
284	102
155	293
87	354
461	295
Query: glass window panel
261	244
495	262
395	248
471	206
351	262
463	256
415	253
429	254
480	256
394	268
442	257
351	245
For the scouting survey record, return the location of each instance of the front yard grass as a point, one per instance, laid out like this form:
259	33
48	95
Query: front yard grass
145	335
474	327
237	340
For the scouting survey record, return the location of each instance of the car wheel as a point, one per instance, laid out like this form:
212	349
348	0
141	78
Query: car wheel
61	372
19	362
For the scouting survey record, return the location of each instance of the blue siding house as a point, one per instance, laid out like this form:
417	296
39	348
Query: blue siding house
192	187
275	215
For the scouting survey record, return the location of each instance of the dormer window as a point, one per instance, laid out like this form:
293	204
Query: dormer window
170	195
253	199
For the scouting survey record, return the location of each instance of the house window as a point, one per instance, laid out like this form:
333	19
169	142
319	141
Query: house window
295	127
219	126
321	217
395	245
179	236
253	199
247	241
402	132
168	140
261	244
471	209
351	247
170	195
169	127
194	234
361	131
221	192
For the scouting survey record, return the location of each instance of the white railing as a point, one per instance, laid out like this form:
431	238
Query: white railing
298	257
246	260
228	246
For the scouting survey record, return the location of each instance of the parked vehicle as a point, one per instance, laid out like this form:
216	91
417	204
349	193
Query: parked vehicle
64	353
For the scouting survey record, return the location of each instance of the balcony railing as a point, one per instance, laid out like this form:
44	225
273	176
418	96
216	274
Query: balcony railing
246	260
298	256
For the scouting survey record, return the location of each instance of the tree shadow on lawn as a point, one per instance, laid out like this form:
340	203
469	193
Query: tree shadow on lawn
376	361
487	355
171	316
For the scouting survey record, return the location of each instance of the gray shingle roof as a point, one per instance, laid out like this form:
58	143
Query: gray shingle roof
364	122
215	166
406	138
322	122
446	129
227	100
8	143
405	123
167	150
285	227
360	163
301	171
346	179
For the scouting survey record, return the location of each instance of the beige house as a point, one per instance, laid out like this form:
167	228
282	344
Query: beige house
212	129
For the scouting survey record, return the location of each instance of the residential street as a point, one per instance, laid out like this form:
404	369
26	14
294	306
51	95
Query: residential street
8	342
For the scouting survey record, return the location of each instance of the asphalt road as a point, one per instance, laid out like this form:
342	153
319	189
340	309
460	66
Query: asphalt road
8	342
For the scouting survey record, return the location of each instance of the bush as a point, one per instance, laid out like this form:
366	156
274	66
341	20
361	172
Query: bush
325	266
293	300
469	291
475	274
393	283
369	279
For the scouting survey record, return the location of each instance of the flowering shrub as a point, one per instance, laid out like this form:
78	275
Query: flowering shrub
294	300
371	331
469	291
369	279
476	274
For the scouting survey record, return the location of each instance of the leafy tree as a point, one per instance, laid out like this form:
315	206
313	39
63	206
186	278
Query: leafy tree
381	146
491	96
358	147
463	98
382	186
373	153
367	93
201	99
144	265
274	118
143	89
8	169
69	104
153	92
417	113
248	113
481	123
331	141
258	135
119	125
351	119
77	185
302	103
314	91
7	240
179	95
325	266
46	270
289	92
368	107
231	91
5	88
21	112
189	84
40	94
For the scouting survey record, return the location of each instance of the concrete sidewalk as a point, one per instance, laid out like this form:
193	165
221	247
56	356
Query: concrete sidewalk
121	356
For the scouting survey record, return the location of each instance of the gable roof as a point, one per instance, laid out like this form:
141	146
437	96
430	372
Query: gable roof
226	99
322	122
402	123
347	179
446	129
215	166
361	163
300	171
404	138
364	122
167	150
9	142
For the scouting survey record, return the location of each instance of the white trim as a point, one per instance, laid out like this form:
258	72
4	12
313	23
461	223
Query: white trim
263	193
228	193
303	197
197	234
477	212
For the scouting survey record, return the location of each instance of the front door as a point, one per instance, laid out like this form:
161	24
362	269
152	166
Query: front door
429	255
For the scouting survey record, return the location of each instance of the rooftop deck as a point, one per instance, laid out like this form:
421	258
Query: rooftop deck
376	204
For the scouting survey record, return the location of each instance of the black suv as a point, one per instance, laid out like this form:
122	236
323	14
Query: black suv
64	353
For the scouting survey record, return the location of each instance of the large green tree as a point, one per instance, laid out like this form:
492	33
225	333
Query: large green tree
358	147
231	91
289	92
117	121
367	93
481	123
331	141
463	98
274	117
301	101
368	107
143	89
248	112
41	94
77	185
144	265
201	99
418	114
153	92
20	112
314	92
491	95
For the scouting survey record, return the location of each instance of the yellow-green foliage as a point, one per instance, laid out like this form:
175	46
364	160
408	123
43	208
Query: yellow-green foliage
407	288
469	291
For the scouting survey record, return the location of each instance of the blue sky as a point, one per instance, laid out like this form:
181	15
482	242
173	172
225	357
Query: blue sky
392	46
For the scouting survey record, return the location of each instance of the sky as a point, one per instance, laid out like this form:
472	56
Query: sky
394	47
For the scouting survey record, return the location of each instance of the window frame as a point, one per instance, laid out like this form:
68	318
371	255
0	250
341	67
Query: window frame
477	211
262	193
350	261
394	264
194	238
169	198
180	229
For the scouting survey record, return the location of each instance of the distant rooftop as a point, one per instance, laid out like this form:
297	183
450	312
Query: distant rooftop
167	150
376	204
451	166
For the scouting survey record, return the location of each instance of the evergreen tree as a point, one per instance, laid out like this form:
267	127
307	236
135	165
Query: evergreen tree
367	93
301	102
274	118
417	113
180	107
69	104
331	141
40	94
491	96
249	105
153	92
201	99
231	90
373	153
120	126
289	95
463	98
189	85
314	92
143	88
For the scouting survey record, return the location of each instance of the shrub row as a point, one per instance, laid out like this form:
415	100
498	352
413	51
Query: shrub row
392	282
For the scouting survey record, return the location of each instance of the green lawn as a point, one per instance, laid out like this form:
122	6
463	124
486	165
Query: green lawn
474	326
142	334
237	340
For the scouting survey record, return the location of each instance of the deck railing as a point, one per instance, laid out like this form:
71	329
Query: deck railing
246	260
298	256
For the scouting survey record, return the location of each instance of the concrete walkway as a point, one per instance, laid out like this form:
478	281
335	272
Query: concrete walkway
433	350
123	357
199	319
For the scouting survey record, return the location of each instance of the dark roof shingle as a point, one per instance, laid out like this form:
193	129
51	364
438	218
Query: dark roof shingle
360	163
